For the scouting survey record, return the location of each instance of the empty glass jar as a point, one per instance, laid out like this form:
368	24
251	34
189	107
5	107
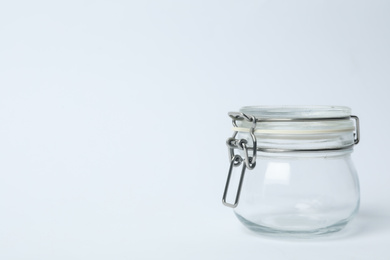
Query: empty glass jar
292	170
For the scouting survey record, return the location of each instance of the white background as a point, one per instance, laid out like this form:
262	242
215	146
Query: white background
113	120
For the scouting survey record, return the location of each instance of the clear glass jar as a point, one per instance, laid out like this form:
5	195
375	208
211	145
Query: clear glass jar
293	169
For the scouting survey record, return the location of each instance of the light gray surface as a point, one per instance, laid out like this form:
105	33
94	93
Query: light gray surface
114	120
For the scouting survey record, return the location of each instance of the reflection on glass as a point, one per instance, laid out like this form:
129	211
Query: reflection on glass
277	173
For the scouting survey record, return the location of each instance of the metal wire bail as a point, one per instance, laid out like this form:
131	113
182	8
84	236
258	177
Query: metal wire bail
235	162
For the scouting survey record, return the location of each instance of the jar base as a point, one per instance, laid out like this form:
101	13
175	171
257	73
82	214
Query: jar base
293	232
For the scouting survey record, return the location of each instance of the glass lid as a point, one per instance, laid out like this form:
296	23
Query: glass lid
289	112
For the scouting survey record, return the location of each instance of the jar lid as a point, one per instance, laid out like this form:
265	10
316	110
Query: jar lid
290	112
298	127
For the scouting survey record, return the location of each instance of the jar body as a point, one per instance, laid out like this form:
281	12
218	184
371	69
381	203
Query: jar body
299	193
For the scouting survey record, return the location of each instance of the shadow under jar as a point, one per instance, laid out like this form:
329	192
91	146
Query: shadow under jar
292	169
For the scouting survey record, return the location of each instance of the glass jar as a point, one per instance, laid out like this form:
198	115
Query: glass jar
292	169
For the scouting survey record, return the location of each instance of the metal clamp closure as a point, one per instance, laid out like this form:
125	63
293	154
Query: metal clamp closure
236	159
